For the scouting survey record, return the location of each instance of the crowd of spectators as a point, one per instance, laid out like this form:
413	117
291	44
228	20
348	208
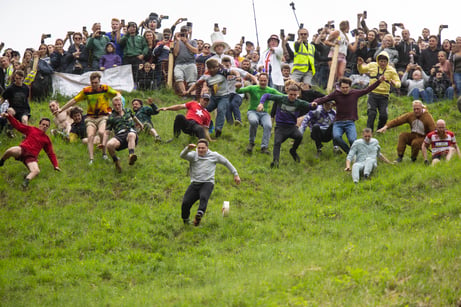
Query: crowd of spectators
149	52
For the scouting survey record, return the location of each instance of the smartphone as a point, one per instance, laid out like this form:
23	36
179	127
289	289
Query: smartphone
291	37
122	22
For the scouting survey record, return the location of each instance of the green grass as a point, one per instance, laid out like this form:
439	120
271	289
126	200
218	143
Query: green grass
301	235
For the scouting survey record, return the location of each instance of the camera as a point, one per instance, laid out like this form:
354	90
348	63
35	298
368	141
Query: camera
291	37
183	19
189	24
164	17
182	34
443	26
354	32
301	25
70	33
282	32
400	25
122	22
364	14
46	35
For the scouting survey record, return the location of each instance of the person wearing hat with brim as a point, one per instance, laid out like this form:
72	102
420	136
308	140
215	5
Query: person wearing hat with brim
270	62
197	119
218	46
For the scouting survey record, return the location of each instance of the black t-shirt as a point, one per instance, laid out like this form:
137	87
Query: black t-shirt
18	98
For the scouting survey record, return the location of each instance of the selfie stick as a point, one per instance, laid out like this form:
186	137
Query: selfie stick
292	4
256	25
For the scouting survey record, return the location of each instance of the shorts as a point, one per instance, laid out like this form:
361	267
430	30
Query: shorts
96	122
26	157
341	57
123	139
147	126
185	72
19	114
440	155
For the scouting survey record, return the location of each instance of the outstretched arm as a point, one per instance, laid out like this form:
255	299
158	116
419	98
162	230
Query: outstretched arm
176	107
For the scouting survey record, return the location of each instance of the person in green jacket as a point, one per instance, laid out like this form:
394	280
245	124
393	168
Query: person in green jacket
255	117
135	48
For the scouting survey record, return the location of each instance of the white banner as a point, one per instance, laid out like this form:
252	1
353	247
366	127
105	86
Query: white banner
119	78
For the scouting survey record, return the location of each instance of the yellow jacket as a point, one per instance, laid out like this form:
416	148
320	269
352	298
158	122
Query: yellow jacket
374	71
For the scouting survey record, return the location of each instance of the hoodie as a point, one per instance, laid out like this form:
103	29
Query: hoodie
374	71
110	60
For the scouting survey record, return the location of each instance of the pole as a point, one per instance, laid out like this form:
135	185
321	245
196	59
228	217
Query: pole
256	25
292	4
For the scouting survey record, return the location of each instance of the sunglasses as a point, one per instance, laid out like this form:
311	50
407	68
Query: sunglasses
206	47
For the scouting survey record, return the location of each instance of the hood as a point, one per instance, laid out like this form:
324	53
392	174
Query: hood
383	53
112	44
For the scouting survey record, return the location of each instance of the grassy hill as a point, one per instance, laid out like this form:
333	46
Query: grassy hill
300	235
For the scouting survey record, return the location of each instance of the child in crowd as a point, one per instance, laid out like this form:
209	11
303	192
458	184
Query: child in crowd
145	77
110	59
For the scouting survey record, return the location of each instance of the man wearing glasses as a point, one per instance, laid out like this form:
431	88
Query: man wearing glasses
303	63
76	57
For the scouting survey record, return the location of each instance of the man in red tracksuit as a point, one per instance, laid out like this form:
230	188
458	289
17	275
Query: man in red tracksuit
27	152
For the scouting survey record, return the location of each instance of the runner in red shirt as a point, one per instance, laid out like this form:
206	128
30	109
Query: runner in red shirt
197	119
27	152
442	142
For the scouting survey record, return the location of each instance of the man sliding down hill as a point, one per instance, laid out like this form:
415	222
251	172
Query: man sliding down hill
27	152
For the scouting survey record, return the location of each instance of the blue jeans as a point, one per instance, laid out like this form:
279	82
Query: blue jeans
417	93
431	97
263	119
235	101
457	80
222	104
341	127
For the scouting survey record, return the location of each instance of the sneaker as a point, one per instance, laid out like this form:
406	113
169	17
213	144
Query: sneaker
25	183
265	151
10	134
132	159
218	133
118	167
275	164
91	162
319	153
250	147
170	140
458	102
399	159
413	159
337	150
2	162
294	155
158	139
197	219
105	157
186	221
238	123
366	176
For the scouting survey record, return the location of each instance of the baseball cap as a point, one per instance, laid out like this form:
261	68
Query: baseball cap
206	96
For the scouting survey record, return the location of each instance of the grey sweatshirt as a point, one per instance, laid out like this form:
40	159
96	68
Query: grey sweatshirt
202	169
